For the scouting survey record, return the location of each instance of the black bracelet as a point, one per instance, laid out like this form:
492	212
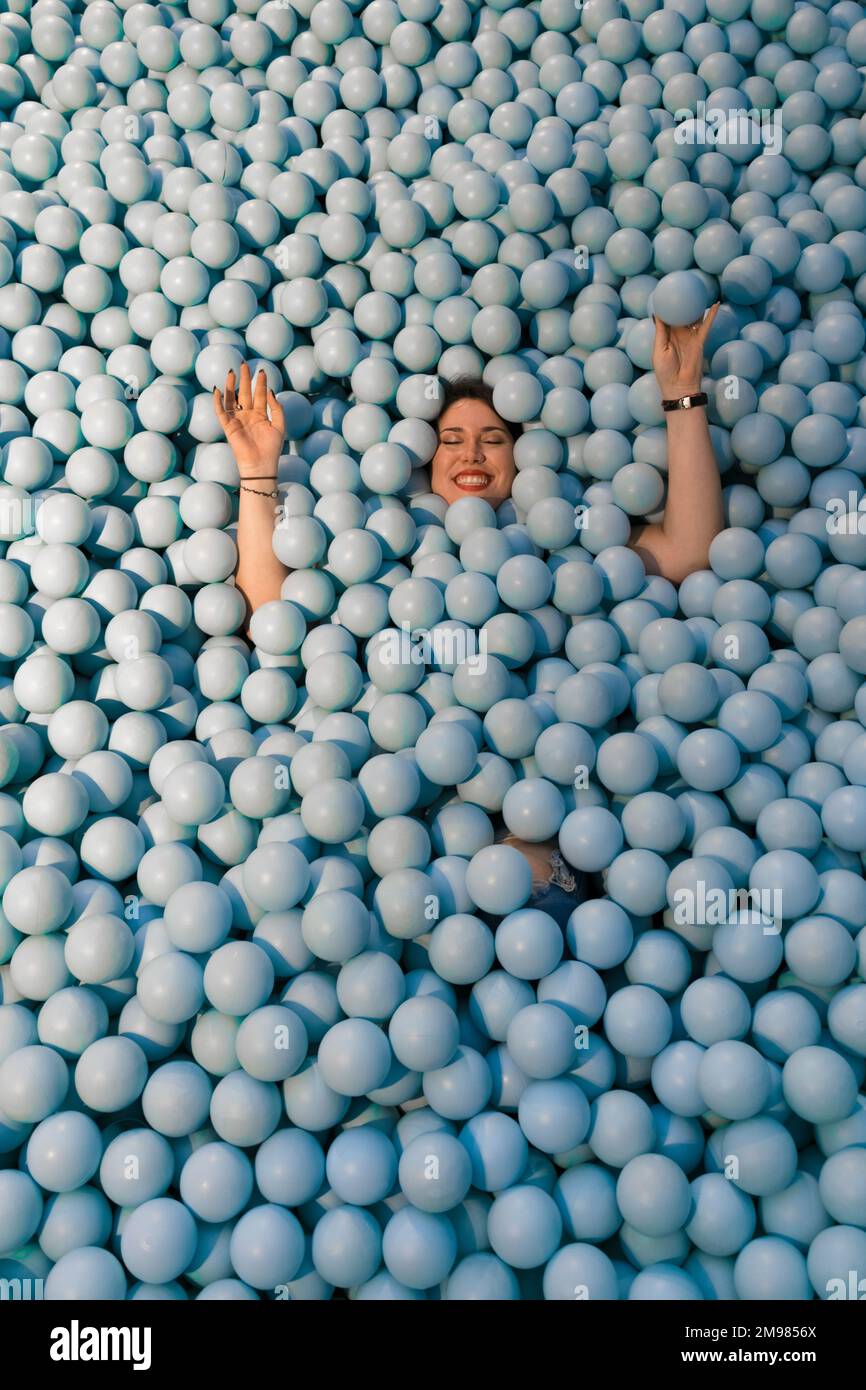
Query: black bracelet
260	492
686	402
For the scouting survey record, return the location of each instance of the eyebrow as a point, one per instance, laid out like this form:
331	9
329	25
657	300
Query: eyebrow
458	429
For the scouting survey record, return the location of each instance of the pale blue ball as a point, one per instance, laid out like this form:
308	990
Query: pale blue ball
159	1240
600	933
541	1040
637	1021
63	1151
243	1110
90	1273
482	1276
289	1167
20	1208
580	1271
354	1057
715	1008
652	1193
499	879
267	1247
554	1115
419	1248
424	1033
216	1182
435	1172
797	1214
734	1080
461	1088
622	1127
361	1166
771	1268
766	1155
528	944
819	1085
586	1197
679	298
524	1226
73	1220
831	1255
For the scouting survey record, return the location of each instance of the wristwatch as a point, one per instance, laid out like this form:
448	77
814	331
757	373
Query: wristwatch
686	402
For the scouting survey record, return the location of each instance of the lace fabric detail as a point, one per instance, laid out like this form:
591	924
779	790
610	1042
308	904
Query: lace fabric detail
561	875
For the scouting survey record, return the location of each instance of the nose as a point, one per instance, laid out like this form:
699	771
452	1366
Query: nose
472	451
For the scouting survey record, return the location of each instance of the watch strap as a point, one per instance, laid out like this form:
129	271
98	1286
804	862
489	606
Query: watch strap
686	402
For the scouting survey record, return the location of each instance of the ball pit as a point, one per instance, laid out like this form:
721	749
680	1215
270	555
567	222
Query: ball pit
278	1016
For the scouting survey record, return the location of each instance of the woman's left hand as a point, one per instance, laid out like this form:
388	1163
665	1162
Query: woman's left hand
678	355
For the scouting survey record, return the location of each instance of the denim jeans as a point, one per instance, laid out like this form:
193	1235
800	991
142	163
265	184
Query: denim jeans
556	901
560	895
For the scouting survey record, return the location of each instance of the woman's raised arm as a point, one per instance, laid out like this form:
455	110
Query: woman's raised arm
679	544
256	440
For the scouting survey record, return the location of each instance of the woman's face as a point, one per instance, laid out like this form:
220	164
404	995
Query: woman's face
475	456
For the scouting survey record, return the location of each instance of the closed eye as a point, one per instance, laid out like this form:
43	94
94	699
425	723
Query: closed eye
494	437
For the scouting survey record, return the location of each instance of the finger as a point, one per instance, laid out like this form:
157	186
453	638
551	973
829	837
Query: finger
221	415
709	319
231	400
245	394
260	397
278	420
663	332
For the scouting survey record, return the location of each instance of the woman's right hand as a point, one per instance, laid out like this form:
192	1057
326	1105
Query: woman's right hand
255	437
678	355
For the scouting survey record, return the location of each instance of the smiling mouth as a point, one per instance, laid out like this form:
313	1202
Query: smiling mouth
471	480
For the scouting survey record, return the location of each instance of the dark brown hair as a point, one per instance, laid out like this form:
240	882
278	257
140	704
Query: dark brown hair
472	388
